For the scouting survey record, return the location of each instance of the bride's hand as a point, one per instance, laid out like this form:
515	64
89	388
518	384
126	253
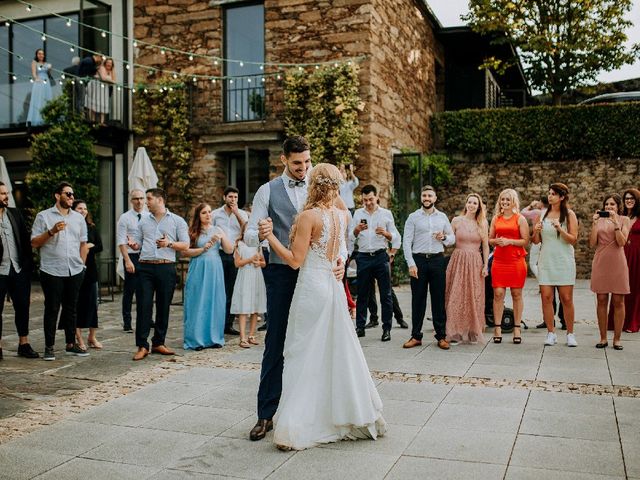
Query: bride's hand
338	270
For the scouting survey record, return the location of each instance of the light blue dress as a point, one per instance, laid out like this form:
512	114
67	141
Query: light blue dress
40	95
204	298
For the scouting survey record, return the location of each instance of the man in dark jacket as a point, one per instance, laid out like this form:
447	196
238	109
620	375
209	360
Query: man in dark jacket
15	270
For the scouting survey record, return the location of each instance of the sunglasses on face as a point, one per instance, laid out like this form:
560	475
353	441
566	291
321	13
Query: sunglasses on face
628	198
69	194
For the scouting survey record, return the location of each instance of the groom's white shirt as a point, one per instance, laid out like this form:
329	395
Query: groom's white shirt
260	208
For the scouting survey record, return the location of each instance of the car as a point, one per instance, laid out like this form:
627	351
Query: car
618	97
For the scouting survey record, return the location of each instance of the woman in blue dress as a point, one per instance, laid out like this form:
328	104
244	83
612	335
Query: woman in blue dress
41	90
204	298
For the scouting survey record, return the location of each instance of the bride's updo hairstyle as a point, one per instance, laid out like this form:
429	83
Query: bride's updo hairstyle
324	184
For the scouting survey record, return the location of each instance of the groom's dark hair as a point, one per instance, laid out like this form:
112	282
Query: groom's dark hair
295	144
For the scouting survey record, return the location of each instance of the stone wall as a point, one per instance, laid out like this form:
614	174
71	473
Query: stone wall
397	76
588	180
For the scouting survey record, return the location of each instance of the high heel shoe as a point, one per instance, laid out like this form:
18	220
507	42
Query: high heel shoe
497	338
517	339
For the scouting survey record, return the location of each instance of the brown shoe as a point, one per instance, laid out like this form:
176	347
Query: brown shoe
443	344
412	342
162	350
140	354
260	430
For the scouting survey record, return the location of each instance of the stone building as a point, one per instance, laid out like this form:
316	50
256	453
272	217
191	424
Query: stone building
401	75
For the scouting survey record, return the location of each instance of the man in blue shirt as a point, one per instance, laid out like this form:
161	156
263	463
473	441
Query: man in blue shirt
159	236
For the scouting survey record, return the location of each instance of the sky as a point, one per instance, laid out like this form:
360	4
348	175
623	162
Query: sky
449	11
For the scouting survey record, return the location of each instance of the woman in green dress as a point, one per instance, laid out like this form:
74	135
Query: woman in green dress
557	231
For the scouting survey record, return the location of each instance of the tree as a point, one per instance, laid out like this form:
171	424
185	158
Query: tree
563	43
63	152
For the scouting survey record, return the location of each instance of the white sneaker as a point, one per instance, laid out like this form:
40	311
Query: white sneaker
551	339
571	340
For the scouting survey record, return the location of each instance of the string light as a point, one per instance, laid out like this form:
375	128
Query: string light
103	34
28	8
68	22
44	38
242	64
191	58
7	24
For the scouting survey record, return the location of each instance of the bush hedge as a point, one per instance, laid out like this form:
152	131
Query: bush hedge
542	133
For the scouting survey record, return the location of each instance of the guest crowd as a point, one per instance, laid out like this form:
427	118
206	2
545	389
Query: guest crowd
225	278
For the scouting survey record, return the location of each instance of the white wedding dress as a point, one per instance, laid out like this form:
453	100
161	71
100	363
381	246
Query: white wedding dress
327	390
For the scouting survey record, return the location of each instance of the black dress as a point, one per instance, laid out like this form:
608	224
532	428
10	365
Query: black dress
87	314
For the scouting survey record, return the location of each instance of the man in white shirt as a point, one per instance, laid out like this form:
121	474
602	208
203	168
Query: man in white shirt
374	228
348	186
426	232
231	219
126	229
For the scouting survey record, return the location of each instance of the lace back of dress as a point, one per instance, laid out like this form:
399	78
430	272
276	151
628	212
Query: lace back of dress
327	245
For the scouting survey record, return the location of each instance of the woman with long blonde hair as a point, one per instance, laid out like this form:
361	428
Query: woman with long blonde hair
509	235
319	403
464	294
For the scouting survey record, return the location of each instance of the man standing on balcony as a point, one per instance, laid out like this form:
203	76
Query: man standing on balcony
125	232
61	235
160	235
15	270
231	219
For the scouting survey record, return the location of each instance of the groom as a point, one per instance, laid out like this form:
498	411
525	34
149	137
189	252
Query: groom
275	207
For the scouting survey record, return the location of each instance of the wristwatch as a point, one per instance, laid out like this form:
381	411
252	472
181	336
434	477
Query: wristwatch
170	245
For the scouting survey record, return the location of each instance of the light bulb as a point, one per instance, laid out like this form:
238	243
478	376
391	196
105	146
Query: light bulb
62	76
195	79
71	49
191	58
242	64
68	22
162	52
6	24
44	38
175	75
215	62
248	80
103	34
28	8
135	44
127	66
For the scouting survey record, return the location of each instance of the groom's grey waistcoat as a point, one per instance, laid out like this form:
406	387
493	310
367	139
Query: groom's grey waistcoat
282	212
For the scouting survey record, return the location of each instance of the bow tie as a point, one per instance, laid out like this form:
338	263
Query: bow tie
296	183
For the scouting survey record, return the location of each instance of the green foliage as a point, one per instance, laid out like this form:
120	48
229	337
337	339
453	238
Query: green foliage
64	152
323	106
257	104
565	43
161	122
435	170
542	133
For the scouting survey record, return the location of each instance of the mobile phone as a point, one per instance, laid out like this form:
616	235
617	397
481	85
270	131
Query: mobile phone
363	221
603	213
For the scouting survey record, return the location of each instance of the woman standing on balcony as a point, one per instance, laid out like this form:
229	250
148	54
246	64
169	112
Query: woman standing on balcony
99	91
41	90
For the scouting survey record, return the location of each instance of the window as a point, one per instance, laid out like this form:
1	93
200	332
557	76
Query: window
244	93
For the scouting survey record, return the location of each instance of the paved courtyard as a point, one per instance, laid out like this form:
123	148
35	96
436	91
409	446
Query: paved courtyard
476	411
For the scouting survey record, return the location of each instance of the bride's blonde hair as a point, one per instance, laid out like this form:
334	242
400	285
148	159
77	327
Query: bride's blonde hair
324	184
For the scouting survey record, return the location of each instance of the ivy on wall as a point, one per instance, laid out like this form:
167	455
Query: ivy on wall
161	123
63	152
323	106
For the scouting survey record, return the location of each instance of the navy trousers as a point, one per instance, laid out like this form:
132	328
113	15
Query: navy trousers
230	273
374	267
432	274
280	281
158	279
130	286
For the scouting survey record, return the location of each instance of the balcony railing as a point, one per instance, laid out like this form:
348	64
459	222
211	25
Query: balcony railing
98	102
244	99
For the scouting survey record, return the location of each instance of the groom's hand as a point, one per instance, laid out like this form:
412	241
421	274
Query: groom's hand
265	228
338	270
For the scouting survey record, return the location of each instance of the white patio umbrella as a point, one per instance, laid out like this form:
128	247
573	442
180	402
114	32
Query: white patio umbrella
4	177
142	175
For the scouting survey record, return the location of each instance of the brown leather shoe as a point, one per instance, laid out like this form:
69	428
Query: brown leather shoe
412	342
260	430
443	344
162	350
140	354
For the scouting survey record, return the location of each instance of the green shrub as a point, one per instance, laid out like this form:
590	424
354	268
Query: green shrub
542	133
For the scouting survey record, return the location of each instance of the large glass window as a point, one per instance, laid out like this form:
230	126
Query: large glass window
244	41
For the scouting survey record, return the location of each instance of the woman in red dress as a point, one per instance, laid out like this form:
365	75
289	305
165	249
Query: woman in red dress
631	200
509	234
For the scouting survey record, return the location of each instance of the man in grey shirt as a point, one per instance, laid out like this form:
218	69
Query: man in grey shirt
61	235
159	236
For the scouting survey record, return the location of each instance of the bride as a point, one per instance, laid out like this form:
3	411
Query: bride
327	390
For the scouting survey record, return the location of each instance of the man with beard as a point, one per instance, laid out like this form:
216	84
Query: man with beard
231	219
15	270
373	228
426	233
61	235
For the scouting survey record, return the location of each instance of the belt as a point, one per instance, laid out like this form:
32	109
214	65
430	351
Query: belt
428	255
372	254
157	262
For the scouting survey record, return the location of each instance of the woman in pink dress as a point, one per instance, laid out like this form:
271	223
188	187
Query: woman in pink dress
464	294
609	272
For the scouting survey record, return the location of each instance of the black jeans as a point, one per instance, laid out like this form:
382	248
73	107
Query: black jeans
372	267
18	285
130	286
280	281
230	273
431	275
158	279
60	292
373	305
